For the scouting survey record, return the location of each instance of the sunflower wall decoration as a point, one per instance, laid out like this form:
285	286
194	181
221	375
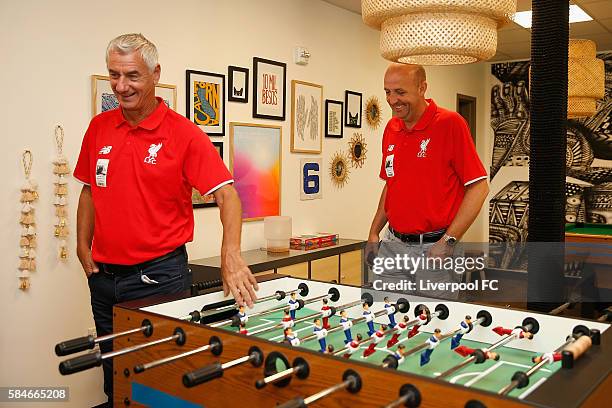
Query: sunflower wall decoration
339	169
357	150
372	112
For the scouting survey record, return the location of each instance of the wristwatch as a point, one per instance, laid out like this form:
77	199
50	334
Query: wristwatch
450	241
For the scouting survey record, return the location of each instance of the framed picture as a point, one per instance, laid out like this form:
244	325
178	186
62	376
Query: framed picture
333	118
310	177
197	199
103	98
206	101
269	89
238	84
352	104
306	117
255	162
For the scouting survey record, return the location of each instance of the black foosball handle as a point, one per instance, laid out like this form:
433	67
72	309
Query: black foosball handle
75	345
294	403
202	375
80	363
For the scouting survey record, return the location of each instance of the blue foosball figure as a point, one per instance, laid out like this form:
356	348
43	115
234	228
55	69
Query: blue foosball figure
432	343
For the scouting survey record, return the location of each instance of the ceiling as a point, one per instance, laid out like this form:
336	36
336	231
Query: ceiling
514	41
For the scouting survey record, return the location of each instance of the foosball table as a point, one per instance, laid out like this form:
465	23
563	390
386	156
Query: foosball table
310	343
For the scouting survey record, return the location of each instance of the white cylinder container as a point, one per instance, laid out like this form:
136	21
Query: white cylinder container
277	232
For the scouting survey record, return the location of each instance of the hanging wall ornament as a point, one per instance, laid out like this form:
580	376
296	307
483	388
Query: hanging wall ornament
372	112
27	242
60	170
357	150
339	169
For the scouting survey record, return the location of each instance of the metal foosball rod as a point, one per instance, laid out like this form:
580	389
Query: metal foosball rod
351	381
299	368
333	294
530	325
210	372
581	337
365	297
89	342
231	304
483	318
214	345
410	397
87	361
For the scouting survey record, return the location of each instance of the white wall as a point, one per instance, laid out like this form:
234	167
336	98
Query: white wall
48	51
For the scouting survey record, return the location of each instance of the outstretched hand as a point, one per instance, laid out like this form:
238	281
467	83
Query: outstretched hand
238	279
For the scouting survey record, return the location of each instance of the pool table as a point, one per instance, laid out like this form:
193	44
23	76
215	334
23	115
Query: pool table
585	232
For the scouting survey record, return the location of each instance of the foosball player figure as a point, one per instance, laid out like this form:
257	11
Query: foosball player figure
353	346
518	330
346	326
325	312
399	353
390	308
432	342
329	349
369	318
242	314
464	327
481	355
321	333
293	305
377	337
243	329
287	321
422	319
401	328
290	337
548	357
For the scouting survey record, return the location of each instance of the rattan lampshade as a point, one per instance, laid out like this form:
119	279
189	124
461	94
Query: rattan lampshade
586	79
437	32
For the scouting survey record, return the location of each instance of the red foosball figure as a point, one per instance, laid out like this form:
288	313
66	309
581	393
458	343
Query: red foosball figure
548	357
518	330
325	312
352	346
377	337
401	328
243	329
466	351
422	320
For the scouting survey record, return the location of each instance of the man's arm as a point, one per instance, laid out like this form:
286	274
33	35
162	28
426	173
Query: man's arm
85	231
237	278
380	218
475	195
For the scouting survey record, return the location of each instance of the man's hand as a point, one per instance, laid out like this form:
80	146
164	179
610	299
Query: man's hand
440	250
89	266
238	279
371	251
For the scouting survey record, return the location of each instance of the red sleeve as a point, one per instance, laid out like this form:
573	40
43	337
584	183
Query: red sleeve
465	159
204	168
82	170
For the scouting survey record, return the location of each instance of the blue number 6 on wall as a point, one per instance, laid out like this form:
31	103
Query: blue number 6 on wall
311	181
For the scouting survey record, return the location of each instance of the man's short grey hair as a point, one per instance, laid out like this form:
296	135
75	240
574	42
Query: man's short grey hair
128	43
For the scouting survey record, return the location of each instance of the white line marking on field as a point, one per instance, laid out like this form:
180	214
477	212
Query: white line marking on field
533	387
460	376
484	373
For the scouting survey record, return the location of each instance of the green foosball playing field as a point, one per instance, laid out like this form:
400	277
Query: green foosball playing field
490	375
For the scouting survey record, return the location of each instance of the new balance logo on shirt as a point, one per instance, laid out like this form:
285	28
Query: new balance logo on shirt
105	150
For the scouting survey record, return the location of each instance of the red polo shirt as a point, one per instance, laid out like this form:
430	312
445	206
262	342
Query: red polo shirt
141	180
426	169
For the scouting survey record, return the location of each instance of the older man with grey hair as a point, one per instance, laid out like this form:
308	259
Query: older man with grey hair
138	164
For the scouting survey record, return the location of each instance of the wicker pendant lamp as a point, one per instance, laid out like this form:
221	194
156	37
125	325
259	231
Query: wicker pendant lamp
437	32
586	79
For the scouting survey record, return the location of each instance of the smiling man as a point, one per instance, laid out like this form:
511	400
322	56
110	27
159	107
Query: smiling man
435	184
138	165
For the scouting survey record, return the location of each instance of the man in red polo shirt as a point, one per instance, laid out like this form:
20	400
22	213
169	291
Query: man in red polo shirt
435	184
138	164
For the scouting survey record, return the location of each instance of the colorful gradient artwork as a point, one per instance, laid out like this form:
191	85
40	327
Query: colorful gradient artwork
256	166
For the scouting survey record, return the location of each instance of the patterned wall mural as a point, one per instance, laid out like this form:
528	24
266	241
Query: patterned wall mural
588	157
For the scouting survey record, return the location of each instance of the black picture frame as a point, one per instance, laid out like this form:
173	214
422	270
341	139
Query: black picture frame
259	65
349	107
231	92
213	203
329	103
214	78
